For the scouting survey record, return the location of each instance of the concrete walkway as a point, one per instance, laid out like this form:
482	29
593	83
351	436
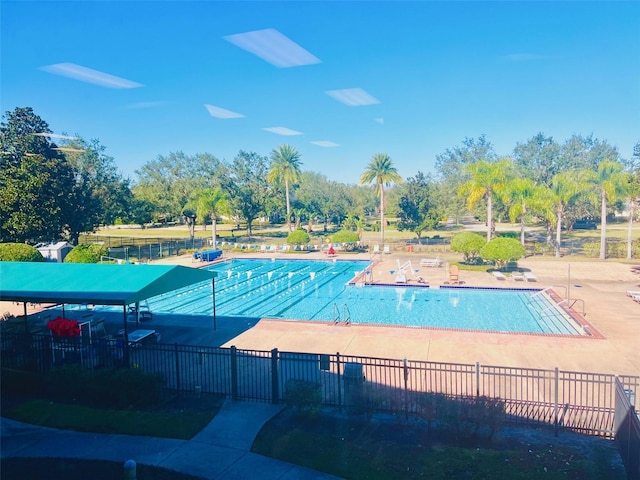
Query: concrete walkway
221	451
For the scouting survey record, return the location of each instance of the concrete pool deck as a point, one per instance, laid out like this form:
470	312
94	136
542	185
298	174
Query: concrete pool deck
601	285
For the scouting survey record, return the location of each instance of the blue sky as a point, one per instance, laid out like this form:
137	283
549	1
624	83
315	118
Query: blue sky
148	78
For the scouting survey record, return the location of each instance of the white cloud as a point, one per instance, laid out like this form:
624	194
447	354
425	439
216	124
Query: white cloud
379	120
353	97
221	112
84	74
55	135
273	47
325	143
282	131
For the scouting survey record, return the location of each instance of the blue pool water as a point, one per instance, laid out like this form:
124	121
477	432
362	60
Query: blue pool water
318	290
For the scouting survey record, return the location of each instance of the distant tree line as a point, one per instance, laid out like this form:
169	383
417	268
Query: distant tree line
55	187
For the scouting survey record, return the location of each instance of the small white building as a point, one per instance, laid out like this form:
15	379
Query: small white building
55	251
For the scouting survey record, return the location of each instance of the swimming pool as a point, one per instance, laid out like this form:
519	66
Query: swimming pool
318	290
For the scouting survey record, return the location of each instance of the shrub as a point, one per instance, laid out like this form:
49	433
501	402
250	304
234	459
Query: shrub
346	237
502	251
85	253
109	388
303	396
298	237
19	252
469	244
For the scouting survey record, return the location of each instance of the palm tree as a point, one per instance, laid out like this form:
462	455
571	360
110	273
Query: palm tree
285	167
381	171
521	191
565	187
486	179
633	200
611	183
211	202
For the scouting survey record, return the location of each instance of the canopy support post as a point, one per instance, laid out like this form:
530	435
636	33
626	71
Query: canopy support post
213	290
125	337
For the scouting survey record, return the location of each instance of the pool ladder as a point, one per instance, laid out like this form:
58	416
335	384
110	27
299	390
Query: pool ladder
346	314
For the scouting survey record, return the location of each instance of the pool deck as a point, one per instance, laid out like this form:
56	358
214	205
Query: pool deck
602	286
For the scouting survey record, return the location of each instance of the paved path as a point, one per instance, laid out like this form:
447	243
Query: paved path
220	451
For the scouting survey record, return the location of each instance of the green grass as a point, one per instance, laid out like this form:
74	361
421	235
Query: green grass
176	419
79	469
360	450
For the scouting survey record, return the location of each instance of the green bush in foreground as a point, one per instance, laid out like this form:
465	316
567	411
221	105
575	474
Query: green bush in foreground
303	396
503	250
469	244
298	237
109	388
85	253
19	252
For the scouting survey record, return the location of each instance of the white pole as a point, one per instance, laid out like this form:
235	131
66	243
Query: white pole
568	280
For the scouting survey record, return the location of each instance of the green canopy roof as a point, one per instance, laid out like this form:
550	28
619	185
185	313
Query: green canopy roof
101	284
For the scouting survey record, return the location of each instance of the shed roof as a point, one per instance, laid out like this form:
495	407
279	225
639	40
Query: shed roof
101	284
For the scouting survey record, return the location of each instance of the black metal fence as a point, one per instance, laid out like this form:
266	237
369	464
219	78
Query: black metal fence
627	430
579	401
145	248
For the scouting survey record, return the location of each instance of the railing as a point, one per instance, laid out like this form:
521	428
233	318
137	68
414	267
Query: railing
578	401
627	430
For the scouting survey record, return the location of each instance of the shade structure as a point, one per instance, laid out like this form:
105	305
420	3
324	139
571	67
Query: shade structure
100	284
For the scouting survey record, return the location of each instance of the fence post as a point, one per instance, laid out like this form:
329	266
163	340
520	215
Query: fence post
555	401
477	379
175	350
275	390
339	381
234	372
406	390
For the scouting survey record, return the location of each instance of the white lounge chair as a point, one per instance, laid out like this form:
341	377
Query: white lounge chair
636	298
376	249
498	275
431	262
631	293
517	277
386	250
530	277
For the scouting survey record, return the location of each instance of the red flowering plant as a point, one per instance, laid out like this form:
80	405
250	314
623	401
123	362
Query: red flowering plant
64	327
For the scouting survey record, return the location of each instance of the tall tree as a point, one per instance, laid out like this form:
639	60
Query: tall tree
247	186
285	168
36	181
381	172
565	188
520	191
634	195
611	183
538	159
211	202
486	179
417	211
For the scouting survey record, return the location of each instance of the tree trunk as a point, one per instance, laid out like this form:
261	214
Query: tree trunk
559	230
286	189
603	227
489	216
632	205
213	230
524	212
382	213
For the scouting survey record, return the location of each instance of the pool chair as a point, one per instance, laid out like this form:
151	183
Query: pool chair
386	250
517	277
636	298
431	262
376	249
498	275
530	277
632	293
454	274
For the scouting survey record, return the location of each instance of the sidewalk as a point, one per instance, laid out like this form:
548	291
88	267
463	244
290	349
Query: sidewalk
220	451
